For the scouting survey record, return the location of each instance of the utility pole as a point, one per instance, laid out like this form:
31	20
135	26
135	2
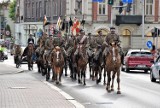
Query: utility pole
142	24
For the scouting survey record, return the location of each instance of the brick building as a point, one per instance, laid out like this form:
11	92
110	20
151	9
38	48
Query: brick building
30	15
97	17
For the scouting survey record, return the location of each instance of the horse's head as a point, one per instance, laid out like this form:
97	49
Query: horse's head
57	53
114	50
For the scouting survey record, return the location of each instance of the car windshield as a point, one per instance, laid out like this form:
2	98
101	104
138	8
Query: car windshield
141	54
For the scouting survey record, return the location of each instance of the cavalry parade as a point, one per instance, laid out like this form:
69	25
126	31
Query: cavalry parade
68	61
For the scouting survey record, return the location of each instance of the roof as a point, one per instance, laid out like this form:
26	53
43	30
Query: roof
138	50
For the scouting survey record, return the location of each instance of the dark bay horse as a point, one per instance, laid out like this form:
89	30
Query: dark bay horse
82	64
29	56
96	65
57	64
113	63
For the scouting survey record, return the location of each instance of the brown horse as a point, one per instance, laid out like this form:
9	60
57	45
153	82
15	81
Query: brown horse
82	64
57	64
29	56
113	63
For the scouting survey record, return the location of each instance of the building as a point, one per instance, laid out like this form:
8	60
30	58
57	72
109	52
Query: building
98	17
30	16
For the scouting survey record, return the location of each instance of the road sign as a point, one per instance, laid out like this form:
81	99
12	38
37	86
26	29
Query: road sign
7	32
127	1
149	44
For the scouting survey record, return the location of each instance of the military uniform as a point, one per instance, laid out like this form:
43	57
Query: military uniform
48	48
59	41
92	44
70	45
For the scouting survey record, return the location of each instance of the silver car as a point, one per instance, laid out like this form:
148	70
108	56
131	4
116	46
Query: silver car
155	70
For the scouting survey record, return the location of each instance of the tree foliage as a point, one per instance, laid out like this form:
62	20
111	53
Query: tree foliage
12	10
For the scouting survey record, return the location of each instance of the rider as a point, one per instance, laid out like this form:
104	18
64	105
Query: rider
111	36
18	52
81	42
48	49
99	42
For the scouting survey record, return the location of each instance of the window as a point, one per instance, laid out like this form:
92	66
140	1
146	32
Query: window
33	9
36	9
40	9
78	7
102	8
45	8
149	7
54	8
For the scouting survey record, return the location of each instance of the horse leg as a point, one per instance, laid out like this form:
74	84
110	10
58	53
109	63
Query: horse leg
104	75
118	81
84	77
112	86
53	75
108	81
100	74
65	66
78	71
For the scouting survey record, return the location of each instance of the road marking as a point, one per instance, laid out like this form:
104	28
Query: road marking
67	96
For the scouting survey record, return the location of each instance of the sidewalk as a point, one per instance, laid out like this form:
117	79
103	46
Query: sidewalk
24	90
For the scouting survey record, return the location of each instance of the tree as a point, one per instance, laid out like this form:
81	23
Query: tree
12	10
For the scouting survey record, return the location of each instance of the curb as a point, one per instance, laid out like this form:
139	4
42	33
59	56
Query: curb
67	96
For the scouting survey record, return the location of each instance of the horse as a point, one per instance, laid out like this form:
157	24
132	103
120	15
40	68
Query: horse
57	64
90	61
96	65
112	65
29	56
82	60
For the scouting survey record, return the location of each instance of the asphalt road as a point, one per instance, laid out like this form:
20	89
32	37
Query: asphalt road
137	91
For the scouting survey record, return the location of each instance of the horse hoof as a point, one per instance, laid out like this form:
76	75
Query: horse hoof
57	82
118	92
109	91
112	89
79	81
104	83
66	75
84	84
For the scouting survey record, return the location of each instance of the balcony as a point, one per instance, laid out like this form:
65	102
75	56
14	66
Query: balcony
128	19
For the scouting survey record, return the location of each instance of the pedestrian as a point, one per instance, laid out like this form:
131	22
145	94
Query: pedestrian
154	52
30	39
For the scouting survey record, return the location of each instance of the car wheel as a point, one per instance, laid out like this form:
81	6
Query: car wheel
152	77
146	71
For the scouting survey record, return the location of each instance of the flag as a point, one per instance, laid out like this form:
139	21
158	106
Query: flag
59	23
76	26
97	0
44	20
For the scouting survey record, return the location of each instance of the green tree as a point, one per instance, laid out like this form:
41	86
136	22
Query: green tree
12	10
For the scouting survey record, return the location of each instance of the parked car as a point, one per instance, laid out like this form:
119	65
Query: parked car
155	70
137	59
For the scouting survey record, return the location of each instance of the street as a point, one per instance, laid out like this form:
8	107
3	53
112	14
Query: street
137	90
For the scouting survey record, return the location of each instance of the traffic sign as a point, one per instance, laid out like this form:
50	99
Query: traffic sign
127	1
7	32
149	44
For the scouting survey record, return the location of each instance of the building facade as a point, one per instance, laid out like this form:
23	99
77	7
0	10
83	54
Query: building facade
99	16
30	16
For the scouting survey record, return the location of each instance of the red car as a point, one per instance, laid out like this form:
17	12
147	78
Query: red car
137	59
